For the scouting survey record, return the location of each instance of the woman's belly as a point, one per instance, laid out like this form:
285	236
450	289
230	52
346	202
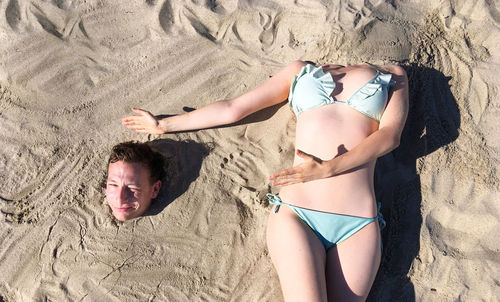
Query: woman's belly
327	132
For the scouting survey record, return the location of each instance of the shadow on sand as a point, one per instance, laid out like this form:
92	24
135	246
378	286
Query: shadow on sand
183	161
433	122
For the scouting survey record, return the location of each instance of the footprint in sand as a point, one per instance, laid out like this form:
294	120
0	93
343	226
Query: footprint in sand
241	167
13	14
166	17
269	26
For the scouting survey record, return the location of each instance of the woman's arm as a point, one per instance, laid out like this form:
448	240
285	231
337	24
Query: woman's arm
382	141
273	91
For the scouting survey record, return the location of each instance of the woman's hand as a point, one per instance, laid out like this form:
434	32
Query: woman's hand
144	122
312	168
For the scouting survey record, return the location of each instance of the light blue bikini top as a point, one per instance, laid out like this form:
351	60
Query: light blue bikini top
312	88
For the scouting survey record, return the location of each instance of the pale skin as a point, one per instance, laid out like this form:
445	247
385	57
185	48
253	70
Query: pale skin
332	172
129	189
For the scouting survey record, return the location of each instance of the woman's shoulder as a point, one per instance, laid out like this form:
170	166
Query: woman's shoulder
297	65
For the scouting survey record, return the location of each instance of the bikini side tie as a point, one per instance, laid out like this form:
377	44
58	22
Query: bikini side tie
274	199
380	218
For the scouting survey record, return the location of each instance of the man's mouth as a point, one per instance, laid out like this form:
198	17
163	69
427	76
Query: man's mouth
124	209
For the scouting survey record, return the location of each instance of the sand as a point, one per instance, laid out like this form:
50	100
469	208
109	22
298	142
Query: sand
70	70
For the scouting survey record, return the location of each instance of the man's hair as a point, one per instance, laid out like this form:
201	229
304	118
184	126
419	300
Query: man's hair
135	152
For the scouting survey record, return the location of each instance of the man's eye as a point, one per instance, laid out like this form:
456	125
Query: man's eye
111	185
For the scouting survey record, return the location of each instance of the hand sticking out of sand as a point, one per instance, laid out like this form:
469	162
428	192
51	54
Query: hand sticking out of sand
144	122
312	168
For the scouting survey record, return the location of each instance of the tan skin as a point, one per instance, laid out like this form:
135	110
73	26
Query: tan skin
332	172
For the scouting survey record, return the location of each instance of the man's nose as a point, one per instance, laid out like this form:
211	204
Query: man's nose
123	194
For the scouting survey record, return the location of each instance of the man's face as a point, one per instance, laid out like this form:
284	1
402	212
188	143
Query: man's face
129	189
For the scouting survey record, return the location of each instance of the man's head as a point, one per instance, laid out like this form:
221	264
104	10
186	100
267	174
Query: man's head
134	179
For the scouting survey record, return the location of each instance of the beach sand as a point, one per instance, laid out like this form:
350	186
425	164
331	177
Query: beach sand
70	70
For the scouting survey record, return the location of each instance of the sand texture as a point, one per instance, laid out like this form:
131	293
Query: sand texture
70	70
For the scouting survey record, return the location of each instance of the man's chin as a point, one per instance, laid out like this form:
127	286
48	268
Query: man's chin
123	216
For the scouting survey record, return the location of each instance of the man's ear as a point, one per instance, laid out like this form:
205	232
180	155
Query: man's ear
156	188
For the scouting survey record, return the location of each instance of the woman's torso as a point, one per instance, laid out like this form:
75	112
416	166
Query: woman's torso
328	131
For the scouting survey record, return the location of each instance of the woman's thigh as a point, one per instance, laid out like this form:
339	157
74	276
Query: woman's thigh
298	256
352	265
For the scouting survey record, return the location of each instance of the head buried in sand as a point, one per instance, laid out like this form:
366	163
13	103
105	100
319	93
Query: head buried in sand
134	179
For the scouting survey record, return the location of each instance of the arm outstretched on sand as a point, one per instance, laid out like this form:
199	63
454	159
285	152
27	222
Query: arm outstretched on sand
273	91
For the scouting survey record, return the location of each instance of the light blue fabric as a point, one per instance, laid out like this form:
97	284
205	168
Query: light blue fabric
330	228
312	88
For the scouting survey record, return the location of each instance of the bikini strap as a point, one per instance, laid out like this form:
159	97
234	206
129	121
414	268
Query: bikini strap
380	218
274	199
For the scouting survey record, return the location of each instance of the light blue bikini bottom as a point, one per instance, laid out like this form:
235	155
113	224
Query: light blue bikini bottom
330	228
